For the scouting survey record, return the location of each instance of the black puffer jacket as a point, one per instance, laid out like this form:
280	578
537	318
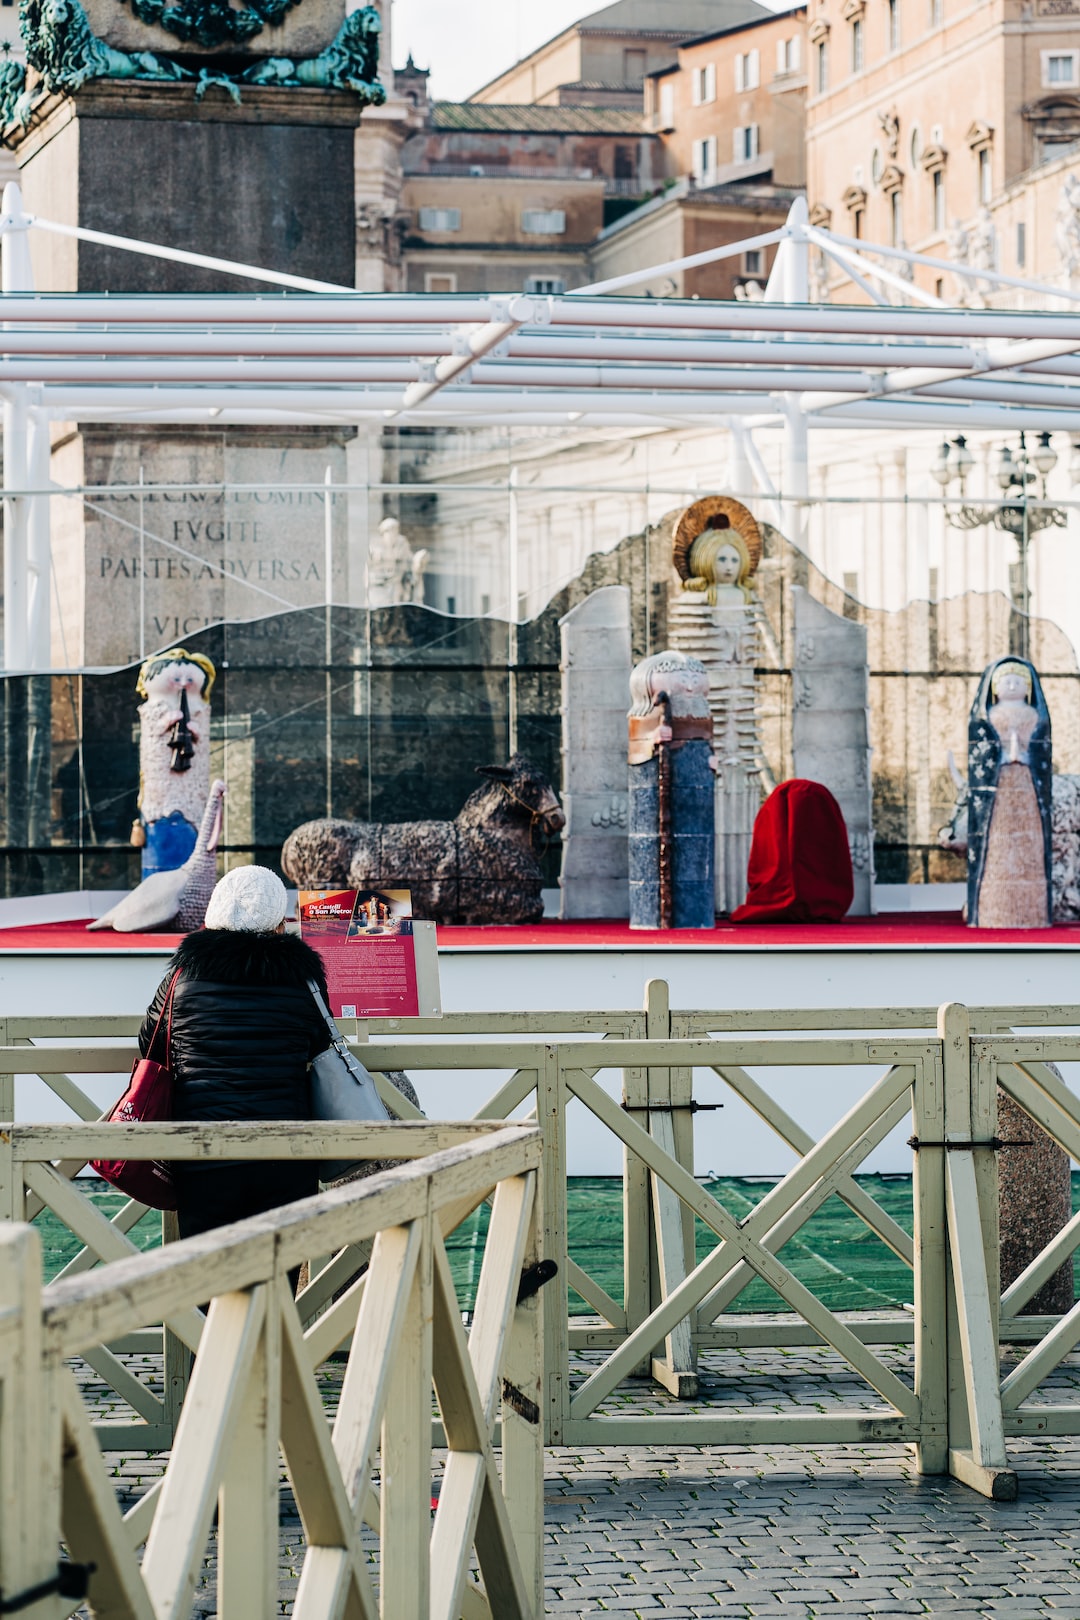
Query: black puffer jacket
244	1030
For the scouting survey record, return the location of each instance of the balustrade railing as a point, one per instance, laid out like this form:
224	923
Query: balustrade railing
926	1375
370	1549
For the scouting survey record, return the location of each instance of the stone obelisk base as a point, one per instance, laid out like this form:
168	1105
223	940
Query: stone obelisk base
1035	1199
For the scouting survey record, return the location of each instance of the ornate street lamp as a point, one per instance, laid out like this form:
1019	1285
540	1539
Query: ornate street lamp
1013	514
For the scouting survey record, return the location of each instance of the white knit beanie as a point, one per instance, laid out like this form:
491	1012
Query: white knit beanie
249	899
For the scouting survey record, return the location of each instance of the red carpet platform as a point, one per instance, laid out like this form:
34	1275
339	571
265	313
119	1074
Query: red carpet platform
889	930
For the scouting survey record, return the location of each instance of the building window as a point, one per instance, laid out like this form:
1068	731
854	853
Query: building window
937	180
1021	245
822	66
896	208
704	84
1059	67
857	222
894	25
440	219
985	176
543	221
440	281
753	262
545	286
667	106
856	46
787	55
745	143
747	70
705	160
634	63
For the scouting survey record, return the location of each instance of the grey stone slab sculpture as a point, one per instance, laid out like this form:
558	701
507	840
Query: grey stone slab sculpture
672	794
595	663
830	726
713	616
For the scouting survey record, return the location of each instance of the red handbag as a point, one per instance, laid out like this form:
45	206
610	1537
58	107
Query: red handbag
147	1100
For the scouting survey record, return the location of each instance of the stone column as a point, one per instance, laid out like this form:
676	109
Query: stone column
595	664
672	798
1035	1201
831	726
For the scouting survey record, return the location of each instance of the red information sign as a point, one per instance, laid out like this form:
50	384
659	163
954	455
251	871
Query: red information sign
365	939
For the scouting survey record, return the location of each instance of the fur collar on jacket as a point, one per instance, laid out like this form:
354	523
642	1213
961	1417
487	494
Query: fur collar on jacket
224	956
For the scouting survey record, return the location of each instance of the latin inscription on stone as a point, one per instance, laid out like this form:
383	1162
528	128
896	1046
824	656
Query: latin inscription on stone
165	562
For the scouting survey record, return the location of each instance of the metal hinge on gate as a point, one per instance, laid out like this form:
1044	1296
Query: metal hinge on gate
70	1581
520	1402
672	1108
533	1279
996	1143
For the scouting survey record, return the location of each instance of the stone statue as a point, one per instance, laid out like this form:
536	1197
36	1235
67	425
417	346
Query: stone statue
984	242
958	244
212	23
714	616
14	108
1009	800
62	47
349	62
395	572
889	123
670	837
1067	228
174	756
482	867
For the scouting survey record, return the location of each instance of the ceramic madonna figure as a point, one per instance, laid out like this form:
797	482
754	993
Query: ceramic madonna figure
1010	785
174	756
714	617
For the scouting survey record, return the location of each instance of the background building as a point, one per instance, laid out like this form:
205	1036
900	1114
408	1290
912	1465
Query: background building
605	57
509	198
946	128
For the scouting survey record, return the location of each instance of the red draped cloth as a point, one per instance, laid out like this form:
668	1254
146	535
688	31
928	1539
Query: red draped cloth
800	863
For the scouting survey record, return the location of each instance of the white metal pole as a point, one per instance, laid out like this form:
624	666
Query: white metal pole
39	545
328	632
15	277
513	590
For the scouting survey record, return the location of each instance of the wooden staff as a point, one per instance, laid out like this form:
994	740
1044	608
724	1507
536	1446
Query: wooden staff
663	792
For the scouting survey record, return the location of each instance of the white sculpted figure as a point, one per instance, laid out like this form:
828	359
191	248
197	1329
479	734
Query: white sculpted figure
984	242
395	572
174	756
1067	228
714	617
958	241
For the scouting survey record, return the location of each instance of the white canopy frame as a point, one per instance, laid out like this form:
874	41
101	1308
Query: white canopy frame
329	355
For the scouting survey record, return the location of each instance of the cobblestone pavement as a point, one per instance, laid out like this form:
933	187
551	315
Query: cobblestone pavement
682	1532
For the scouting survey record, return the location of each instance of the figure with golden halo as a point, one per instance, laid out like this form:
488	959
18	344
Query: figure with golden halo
714	616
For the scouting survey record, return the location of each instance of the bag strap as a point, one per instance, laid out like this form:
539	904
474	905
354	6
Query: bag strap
166	1007
336	1036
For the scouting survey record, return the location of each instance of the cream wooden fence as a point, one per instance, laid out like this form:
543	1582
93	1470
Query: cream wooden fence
673	1307
253	1394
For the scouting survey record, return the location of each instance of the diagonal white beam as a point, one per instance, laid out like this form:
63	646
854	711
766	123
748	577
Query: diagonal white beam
202	261
970	272
473	346
634	278
911	293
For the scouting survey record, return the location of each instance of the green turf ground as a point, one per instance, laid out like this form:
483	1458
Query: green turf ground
834	1254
